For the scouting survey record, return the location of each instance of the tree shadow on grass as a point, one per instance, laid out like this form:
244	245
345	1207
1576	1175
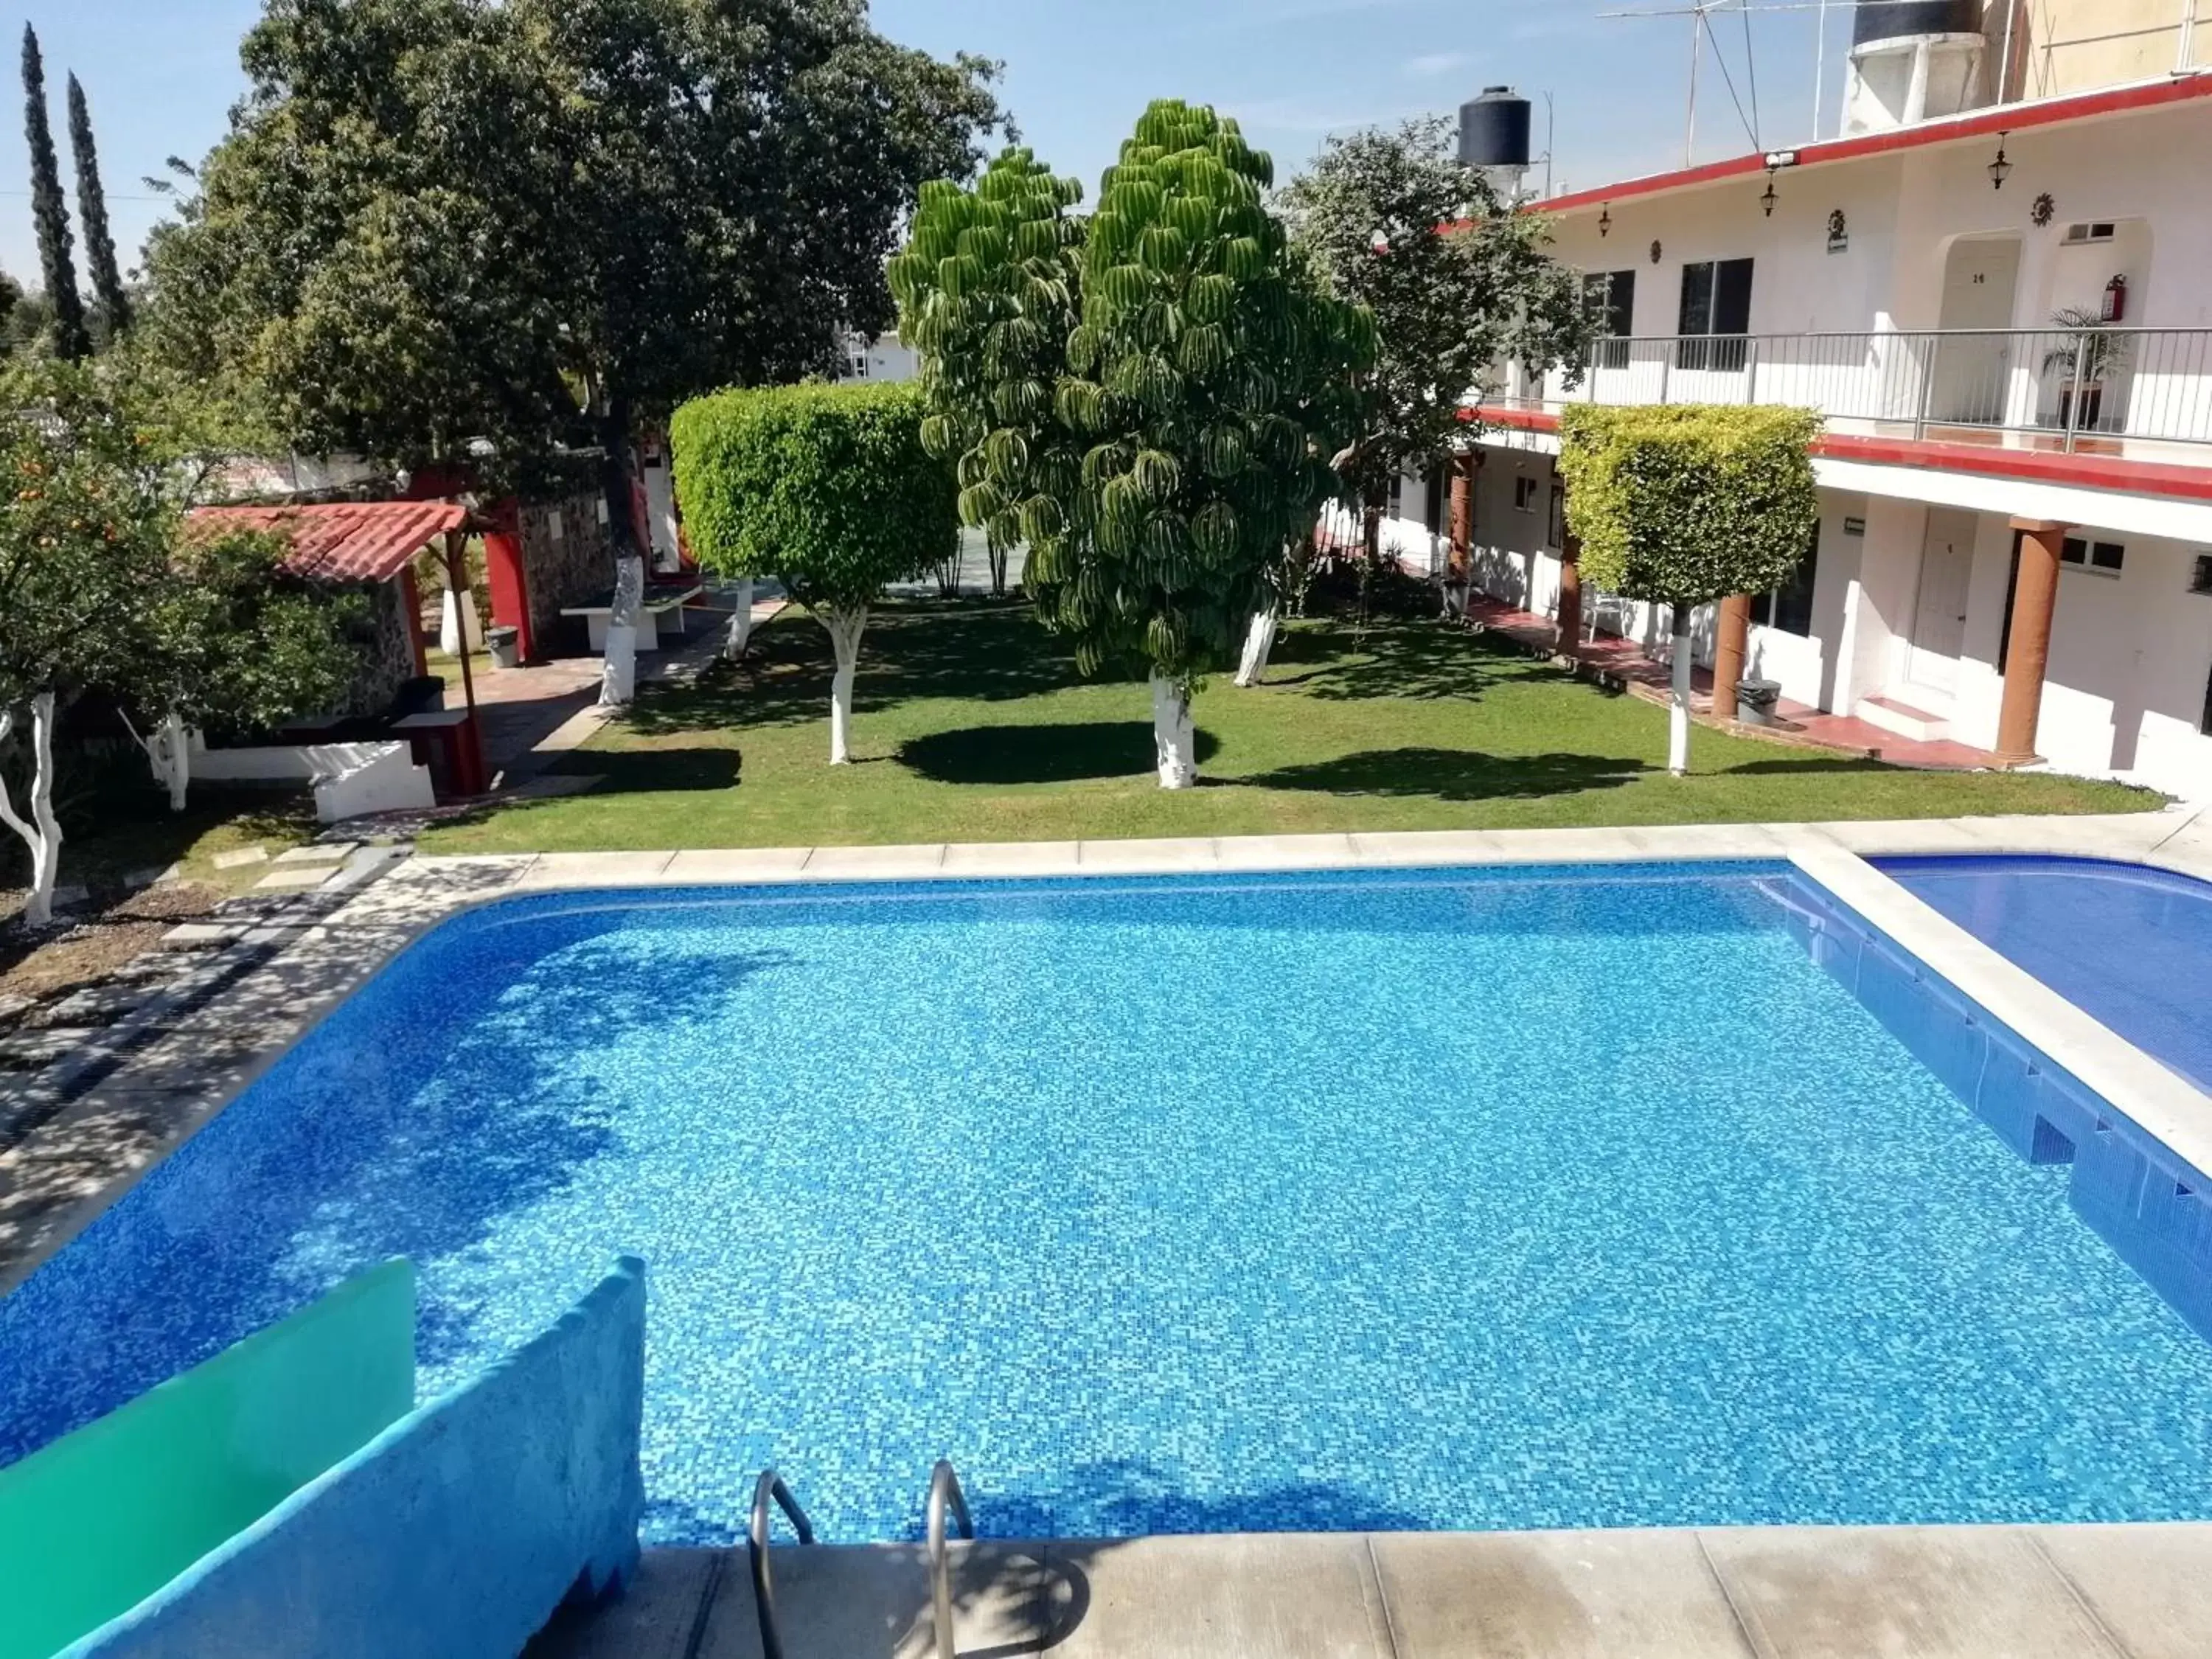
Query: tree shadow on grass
1423	661
988	651
1454	775
1040	754
636	771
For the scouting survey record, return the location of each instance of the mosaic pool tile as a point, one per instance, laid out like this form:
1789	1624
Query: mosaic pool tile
1445	1199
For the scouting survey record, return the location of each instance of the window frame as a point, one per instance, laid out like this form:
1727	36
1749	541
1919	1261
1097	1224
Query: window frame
2091	559
1766	609
1714	317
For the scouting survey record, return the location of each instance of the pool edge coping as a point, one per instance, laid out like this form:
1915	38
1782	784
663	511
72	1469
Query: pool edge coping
361	937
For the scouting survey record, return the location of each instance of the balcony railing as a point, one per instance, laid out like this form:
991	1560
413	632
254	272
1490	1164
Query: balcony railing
2105	391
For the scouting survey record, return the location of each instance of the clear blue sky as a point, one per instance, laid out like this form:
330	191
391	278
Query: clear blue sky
161	74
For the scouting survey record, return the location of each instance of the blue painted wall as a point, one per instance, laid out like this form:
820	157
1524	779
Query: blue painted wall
454	1535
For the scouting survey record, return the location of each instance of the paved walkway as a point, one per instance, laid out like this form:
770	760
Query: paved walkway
1626	660
1726	1593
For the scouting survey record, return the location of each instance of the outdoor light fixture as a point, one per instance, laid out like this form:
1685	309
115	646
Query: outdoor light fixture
1771	197
2000	169
1605	222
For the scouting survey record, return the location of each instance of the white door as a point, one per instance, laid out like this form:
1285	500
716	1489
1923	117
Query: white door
1979	278
1939	615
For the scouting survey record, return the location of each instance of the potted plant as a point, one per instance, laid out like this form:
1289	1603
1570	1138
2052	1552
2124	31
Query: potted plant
2089	352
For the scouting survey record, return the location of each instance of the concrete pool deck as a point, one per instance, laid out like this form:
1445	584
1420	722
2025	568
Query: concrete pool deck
2138	1592
1715	1593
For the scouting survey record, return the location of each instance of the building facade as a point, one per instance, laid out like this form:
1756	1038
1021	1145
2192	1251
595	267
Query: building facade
2003	316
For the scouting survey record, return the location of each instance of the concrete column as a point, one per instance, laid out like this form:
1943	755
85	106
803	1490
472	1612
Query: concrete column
1731	650
2027	649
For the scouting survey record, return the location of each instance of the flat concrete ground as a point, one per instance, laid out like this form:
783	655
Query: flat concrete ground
1751	1593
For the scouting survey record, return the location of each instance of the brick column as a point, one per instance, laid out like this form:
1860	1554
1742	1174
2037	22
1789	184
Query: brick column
1569	642
1462	511
2027	649
1731	650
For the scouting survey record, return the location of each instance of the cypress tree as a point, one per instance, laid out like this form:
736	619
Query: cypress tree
50	212
92	213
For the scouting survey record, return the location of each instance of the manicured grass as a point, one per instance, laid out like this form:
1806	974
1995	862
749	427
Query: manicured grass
972	725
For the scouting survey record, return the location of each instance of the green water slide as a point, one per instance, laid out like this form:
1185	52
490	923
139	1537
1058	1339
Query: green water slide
99	1520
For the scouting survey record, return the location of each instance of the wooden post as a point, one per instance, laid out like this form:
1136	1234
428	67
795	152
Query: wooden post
2027	649
1731	650
468	758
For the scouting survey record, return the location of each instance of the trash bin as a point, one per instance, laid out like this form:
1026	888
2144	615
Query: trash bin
506	646
1755	700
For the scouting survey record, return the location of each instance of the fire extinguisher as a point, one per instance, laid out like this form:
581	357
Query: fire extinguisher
2115	299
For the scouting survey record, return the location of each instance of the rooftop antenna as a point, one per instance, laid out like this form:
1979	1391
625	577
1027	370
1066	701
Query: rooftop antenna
1699	12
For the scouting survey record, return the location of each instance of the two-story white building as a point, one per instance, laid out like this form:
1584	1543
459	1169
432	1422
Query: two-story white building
2005	314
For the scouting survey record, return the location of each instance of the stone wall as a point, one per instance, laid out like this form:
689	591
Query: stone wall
565	553
385	643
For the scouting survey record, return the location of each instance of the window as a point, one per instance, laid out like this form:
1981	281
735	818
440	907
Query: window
2104	556
1439	499
1717	304
1524	494
2200	580
1557	527
2103	231
1612	299
1789	609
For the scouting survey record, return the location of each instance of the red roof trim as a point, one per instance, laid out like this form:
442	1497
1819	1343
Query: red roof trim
2105	472
345	541
1981	123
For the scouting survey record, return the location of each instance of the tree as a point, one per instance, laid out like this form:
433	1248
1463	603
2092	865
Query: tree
92	211
101	594
463	235
828	488
1156	456
1458	283
1687	504
48	213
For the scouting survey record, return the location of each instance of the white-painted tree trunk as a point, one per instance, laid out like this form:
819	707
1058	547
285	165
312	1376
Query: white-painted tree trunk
618	672
170	753
1258	643
1678	709
41	832
457	621
1173	737
741	620
845	628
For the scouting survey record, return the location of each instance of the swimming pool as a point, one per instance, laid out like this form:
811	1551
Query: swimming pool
1382	1200
2128	944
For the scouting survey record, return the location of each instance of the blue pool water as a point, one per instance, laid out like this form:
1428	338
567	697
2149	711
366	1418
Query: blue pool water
1442	1200
2131	945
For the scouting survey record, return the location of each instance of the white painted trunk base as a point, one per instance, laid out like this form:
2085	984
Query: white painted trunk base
741	620
454	619
845	630
618	672
1677	708
1173	737
1258	643
41	832
171	754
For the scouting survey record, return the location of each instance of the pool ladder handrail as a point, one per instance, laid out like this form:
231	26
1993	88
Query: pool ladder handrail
770	1487
944	1493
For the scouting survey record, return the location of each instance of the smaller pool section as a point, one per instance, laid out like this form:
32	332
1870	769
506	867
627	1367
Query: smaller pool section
2129	945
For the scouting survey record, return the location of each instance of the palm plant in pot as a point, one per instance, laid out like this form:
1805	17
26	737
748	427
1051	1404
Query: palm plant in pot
2087	354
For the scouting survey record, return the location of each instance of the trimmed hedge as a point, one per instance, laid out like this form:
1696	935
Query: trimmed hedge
826	488
1688	503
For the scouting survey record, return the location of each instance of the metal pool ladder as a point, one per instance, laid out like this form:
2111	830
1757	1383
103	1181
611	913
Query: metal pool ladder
770	1487
943	1492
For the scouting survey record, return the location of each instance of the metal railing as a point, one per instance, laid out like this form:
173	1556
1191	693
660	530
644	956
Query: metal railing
2063	389
944	1493
769	1487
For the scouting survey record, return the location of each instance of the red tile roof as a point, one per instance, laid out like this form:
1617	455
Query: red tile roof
345	541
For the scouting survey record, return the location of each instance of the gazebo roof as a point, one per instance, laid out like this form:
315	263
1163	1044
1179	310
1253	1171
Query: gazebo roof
345	541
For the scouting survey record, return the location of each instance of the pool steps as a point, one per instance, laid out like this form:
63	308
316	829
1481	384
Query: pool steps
2138	1592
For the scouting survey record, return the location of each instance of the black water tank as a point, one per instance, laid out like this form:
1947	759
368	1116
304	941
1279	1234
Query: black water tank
1886	19
1493	130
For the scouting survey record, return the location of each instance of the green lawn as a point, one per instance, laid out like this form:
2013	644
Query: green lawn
972	725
